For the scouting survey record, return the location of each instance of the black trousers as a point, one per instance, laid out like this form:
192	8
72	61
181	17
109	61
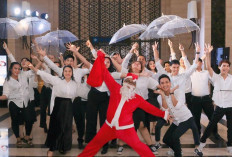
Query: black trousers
217	116
160	123
79	114
97	102
197	105
173	134
45	98
18	115
188	97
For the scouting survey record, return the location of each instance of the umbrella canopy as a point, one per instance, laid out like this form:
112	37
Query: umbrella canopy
157	23
63	35
127	32
34	26
152	34
9	29
178	26
51	45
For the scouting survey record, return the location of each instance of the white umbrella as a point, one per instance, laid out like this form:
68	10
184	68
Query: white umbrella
51	45
34	26
9	29
157	23
178	26
152	34
63	35
127	32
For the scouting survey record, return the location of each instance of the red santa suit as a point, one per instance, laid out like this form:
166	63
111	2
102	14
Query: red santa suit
119	122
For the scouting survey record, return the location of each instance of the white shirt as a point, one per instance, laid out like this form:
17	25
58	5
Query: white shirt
61	88
83	88
200	80
179	79
47	70
180	112
222	93
188	86
143	83
31	79
18	91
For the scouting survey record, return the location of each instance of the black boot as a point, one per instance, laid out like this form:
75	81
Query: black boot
104	149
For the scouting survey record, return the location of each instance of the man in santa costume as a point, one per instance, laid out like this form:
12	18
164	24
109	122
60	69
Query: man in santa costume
123	102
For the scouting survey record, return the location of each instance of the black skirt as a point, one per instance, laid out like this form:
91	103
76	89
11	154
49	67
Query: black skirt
60	128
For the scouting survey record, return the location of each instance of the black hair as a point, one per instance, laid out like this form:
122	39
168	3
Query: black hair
117	53
148	67
167	62
26	59
164	76
68	56
130	67
175	61
142	56
111	68
67	66
200	60
224	61
10	69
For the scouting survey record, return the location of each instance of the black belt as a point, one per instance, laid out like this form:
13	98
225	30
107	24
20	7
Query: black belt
201	97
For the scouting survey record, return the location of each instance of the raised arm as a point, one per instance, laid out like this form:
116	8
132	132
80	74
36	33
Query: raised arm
10	55
75	50
208	49
173	54
129	55
159	67
184	56
50	64
90	46
48	78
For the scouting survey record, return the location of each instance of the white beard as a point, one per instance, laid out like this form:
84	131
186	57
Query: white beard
127	93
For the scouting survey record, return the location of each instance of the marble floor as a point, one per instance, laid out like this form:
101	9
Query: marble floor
213	148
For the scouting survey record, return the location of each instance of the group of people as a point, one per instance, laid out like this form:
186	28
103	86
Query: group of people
128	96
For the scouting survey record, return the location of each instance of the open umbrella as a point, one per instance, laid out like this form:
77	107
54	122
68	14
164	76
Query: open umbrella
9	29
152	34
178	26
127	32
64	35
34	26
51	45
157	23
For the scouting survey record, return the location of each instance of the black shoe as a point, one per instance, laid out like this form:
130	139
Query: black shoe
62	151
198	152
113	144
80	145
45	129
104	150
216	136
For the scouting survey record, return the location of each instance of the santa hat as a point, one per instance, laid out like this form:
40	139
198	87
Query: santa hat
133	76
96	75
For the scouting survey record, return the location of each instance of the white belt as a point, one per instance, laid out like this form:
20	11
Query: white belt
120	127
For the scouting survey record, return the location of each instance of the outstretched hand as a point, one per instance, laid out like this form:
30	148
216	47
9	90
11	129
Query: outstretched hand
155	46
181	47
170	43
71	47
198	48
42	52
4	45
173	89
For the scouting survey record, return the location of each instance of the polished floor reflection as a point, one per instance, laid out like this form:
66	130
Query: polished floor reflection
214	147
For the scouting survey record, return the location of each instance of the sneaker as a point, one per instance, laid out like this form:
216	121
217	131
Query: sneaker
158	146
198	152
170	152
201	146
153	149
120	149
229	149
